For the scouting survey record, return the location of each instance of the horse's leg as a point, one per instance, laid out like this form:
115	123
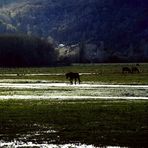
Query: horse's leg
75	80
71	81
78	77
79	80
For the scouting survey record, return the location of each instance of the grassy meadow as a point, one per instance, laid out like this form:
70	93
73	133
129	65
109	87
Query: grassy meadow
97	122
101	73
94	122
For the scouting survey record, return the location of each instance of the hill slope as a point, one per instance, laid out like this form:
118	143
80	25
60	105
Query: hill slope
120	25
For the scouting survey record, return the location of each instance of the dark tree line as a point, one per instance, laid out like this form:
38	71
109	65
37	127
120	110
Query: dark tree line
25	51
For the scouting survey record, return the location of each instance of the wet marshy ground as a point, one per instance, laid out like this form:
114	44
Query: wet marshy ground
40	113
63	115
95	123
66	91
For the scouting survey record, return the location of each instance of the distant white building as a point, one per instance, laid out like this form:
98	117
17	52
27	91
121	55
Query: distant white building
61	45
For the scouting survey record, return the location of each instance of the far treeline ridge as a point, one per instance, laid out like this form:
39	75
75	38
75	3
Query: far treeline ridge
25	51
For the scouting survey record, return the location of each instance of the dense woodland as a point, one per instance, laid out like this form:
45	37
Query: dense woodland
110	30
25	51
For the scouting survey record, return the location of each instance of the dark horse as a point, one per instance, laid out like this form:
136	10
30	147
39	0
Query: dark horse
135	70
126	70
130	70
73	76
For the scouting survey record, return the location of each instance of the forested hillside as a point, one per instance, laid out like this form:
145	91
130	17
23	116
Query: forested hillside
121	25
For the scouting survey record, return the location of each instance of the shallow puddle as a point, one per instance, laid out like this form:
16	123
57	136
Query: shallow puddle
67	91
63	91
18	144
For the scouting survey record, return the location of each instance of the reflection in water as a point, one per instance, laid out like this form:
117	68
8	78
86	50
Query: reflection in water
64	91
72	124
19	144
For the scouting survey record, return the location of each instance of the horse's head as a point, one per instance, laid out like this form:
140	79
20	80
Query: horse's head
67	75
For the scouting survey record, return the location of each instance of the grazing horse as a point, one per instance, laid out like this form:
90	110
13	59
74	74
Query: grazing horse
126	70
73	76
135	70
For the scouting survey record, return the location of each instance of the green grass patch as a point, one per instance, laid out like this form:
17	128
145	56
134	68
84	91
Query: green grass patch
101	73
98	122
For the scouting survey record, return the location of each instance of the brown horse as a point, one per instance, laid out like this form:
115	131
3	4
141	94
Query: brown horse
73	77
126	70
135	70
